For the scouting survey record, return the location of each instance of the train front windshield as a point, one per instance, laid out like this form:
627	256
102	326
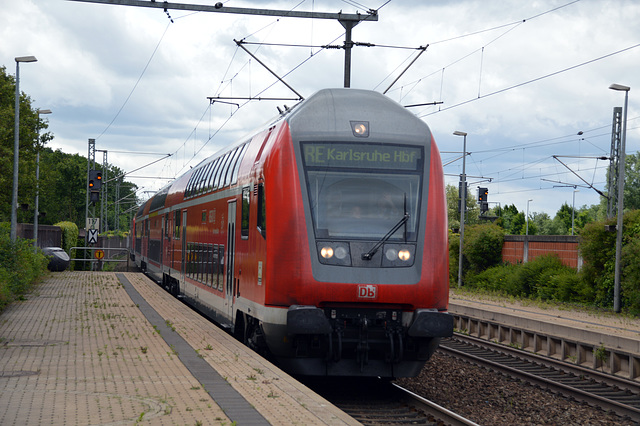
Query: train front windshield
363	190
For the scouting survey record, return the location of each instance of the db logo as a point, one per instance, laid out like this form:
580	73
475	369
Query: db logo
367	292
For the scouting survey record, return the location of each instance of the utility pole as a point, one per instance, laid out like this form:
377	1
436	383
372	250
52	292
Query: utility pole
91	157
347	20
614	162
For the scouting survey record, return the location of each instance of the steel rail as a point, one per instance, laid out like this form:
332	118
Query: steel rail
438	412
557	364
590	398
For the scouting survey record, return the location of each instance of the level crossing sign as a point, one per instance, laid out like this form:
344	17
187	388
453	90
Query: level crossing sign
92	236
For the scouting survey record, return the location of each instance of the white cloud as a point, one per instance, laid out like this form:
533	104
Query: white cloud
90	57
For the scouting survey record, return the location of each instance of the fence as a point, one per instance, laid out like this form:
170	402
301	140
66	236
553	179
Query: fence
522	248
48	235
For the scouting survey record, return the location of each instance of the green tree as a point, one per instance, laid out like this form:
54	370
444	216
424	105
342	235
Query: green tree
29	123
62	176
598	248
512	220
544	225
62	187
563	217
483	246
632	182
453	212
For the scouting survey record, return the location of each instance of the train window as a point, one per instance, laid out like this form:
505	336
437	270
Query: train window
232	162
204	216
176	224
191	185
198	183
189	254
212	267
207	265
198	180
214	167
363	190
216	177
232	165
225	170
262	213
205	177
188	190
220	271
236	168
200	262
244	228
222	170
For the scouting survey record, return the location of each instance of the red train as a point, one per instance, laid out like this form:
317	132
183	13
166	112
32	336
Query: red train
321	239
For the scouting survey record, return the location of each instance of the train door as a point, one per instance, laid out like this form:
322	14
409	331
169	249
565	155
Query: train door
183	269
162	237
231	249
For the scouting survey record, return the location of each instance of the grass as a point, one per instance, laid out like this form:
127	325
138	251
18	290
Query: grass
503	299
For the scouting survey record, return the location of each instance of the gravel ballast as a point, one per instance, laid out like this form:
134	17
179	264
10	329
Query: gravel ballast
489	398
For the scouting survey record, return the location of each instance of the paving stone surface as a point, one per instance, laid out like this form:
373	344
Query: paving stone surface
79	351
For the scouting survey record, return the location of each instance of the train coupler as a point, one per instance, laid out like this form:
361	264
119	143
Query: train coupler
362	348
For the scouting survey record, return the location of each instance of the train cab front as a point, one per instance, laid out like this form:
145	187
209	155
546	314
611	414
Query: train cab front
375	303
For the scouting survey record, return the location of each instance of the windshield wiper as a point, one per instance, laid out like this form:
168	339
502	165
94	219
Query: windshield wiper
368	255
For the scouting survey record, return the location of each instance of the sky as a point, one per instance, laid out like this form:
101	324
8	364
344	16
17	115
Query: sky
526	81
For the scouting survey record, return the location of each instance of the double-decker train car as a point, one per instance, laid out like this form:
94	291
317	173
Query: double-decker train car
321	239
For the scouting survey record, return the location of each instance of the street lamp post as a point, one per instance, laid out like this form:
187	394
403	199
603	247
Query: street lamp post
621	167
527	231
16	148
573	210
37	213
463	201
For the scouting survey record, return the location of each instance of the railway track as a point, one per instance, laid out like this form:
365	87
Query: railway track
379	402
605	391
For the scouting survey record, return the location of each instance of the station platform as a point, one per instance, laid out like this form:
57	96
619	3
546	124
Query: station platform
605	324
114	348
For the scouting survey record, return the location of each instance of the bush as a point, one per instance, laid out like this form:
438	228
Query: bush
20	266
483	246
630	281
454	251
563	284
501	279
598	249
544	277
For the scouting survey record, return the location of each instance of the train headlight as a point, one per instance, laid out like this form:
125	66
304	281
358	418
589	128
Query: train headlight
360	129
341	252
334	253
398	255
391	254
404	255
326	252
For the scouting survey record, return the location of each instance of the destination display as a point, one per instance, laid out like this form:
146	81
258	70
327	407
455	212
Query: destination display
362	156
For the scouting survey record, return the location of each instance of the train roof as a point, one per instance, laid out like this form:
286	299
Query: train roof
330	113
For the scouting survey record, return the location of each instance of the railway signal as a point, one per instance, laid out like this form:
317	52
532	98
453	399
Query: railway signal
95	184
483	194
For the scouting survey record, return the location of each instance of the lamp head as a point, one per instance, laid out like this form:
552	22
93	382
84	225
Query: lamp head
459	133
26	59
619	87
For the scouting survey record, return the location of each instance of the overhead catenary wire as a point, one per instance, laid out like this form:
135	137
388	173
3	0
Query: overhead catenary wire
144	70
